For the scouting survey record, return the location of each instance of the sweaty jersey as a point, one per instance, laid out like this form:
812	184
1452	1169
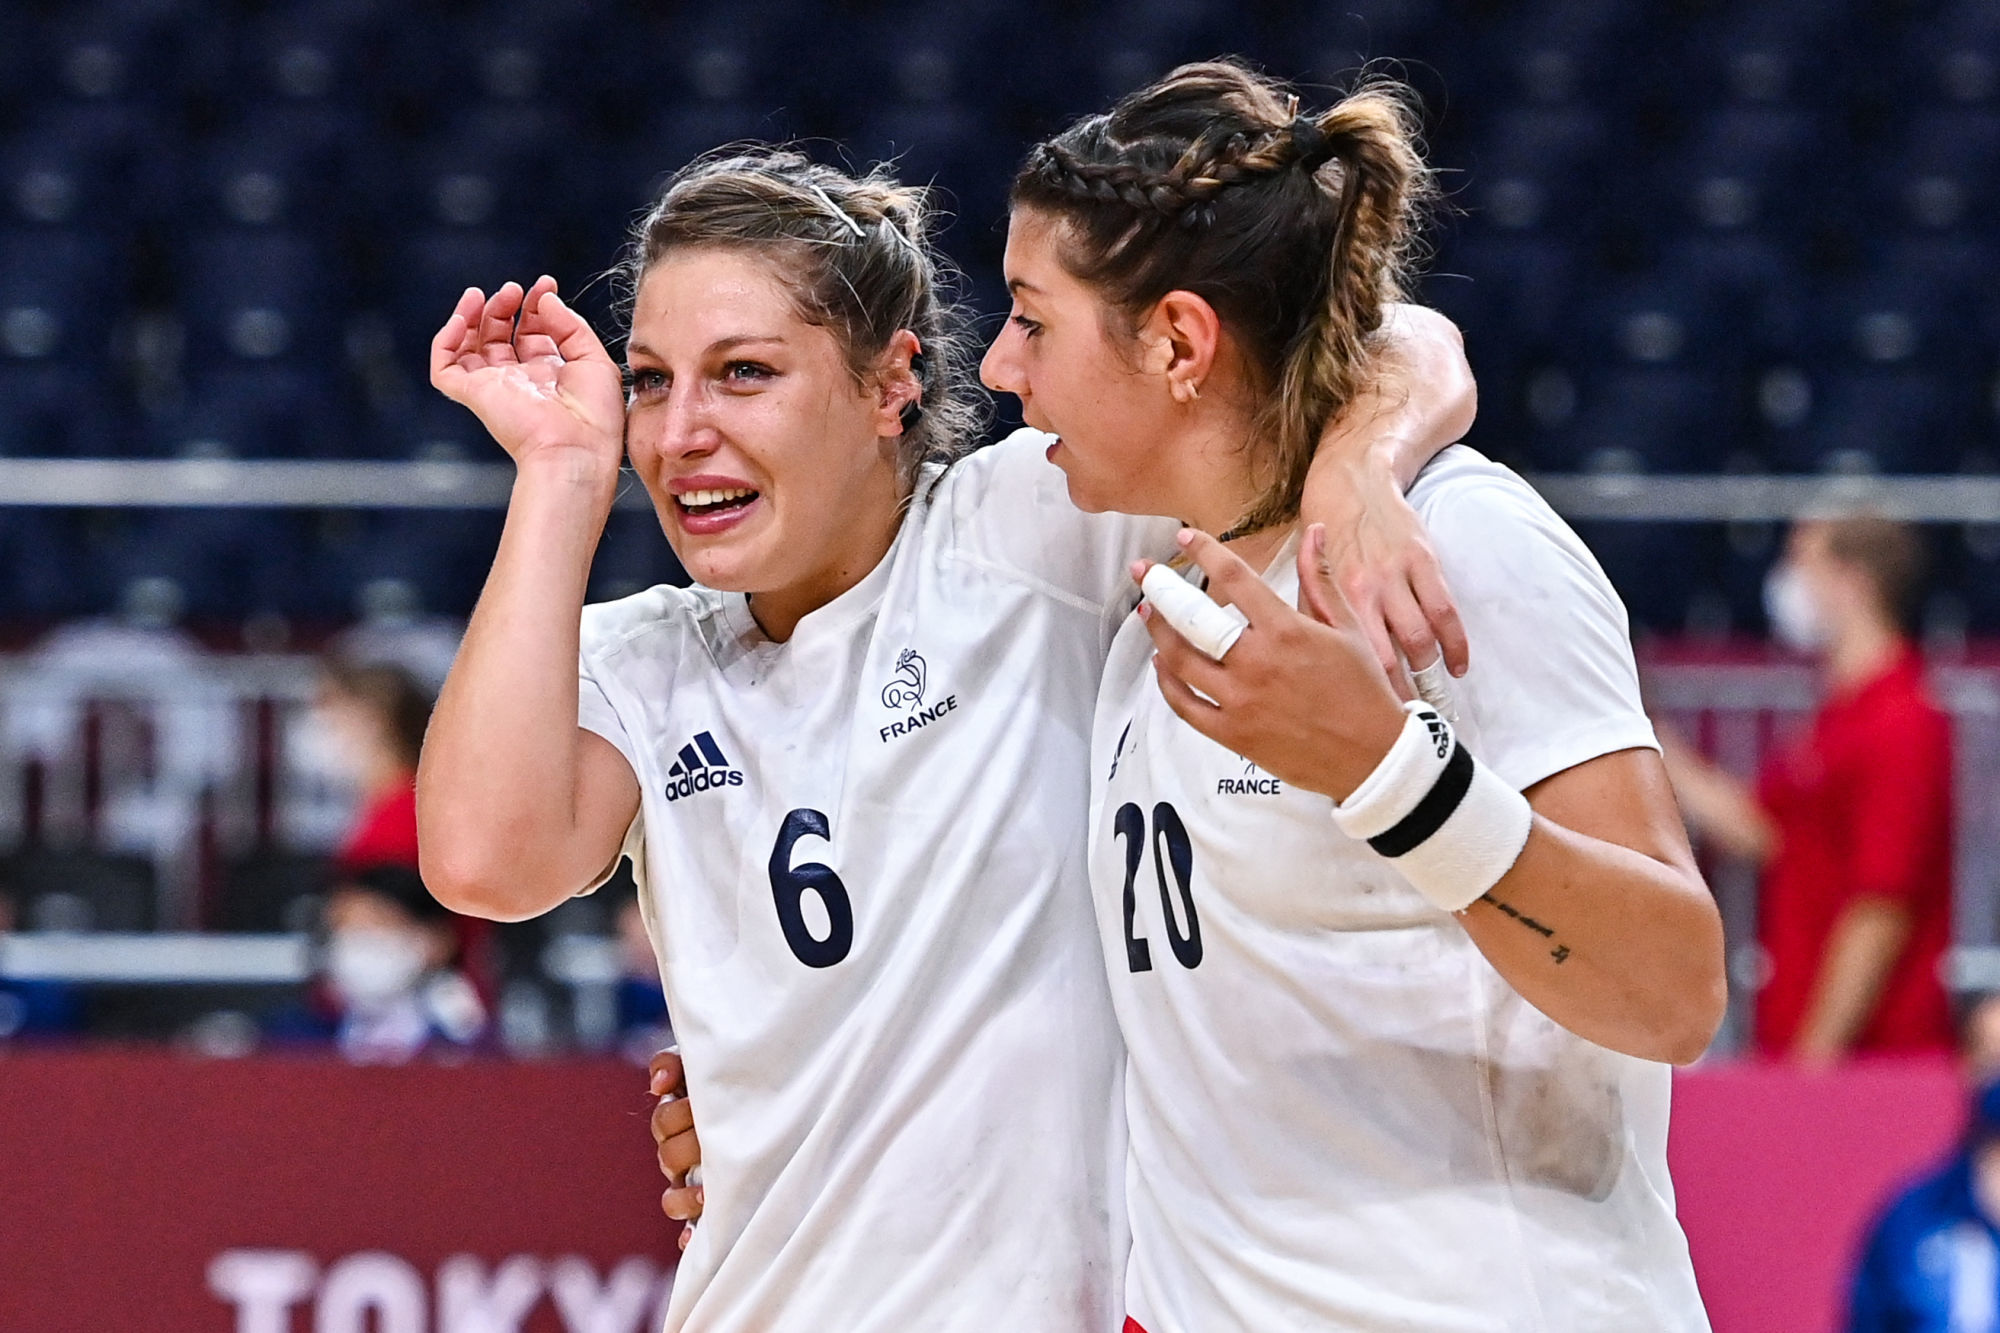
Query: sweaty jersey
1341	1117
861	858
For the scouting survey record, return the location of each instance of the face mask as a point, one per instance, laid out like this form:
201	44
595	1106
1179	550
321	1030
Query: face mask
370	967
321	746
1789	604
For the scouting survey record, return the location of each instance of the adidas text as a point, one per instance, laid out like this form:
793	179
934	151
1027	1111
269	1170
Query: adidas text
701	780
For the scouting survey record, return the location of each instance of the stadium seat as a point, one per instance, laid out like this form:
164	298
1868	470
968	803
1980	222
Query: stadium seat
81	890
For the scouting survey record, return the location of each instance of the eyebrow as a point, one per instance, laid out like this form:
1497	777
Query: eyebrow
1021	285
720	345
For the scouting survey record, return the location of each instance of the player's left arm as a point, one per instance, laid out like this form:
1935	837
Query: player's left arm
1421	399
1603	921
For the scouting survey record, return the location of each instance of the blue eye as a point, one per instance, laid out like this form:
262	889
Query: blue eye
747	371
644	382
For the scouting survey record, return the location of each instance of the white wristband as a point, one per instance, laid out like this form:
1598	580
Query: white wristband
1208	625
1447	823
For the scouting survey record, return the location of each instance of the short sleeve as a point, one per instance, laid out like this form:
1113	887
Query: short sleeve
595	713
1010	509
1901	802
1552	682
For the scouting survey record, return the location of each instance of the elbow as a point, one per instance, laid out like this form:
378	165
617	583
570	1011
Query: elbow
1703	998
1442	366
469	887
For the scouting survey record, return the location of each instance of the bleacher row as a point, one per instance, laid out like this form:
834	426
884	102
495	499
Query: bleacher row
1686	235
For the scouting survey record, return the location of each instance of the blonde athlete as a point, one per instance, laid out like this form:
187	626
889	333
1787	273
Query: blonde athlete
850	763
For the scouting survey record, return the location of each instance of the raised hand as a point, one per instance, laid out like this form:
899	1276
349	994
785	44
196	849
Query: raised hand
1301	693
535	375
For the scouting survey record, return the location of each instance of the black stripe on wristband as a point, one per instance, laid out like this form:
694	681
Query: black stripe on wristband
1439	802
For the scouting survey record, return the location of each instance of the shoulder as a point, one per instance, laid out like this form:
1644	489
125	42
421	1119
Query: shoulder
1473	505
645	621
1006	508
1016	465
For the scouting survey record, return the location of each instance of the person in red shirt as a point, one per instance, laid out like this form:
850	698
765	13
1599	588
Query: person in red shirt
375	716
1852	824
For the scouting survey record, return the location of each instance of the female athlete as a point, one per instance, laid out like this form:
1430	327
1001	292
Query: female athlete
1400	986
849	764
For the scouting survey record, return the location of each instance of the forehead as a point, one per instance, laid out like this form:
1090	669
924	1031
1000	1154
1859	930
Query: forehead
1032	236
354	907
693	297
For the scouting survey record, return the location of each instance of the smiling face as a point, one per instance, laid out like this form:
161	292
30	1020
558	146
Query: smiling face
1077	379
772	468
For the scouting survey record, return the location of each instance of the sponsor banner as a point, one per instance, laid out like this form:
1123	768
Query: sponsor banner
153	1190
1779	1175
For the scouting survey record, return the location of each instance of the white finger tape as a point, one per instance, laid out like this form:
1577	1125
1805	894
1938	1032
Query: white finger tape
1208	626
1434	687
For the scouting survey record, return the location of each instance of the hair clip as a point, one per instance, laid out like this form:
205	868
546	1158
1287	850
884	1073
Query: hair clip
846	218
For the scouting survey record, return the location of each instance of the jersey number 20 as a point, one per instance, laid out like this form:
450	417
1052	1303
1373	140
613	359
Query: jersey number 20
1130	824
790	884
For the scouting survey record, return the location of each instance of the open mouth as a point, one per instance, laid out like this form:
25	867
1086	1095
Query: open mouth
703	504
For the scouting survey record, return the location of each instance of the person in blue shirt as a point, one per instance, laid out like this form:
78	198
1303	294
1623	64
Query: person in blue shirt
31	1010
1932	1262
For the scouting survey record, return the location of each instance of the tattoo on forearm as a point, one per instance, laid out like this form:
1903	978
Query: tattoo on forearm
1559	953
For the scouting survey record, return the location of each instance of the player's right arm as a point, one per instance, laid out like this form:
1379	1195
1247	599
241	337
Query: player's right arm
518	808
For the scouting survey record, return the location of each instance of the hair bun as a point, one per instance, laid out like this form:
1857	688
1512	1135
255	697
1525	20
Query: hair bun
1311	144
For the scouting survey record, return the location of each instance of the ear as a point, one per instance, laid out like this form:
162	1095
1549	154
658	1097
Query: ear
898	387
1179	342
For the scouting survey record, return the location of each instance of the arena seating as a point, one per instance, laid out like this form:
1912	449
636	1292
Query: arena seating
1691	236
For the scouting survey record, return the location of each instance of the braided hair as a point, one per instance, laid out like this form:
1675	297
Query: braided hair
1296	228
856	254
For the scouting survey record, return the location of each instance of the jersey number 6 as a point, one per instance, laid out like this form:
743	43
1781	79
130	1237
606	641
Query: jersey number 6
790	883
1130	824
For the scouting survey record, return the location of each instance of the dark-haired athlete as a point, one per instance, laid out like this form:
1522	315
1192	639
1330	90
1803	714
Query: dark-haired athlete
1399	987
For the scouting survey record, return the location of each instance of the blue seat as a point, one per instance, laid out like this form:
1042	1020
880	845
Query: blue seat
1899	419
1662	418
60	294
259	295
445	554
1658	569
57	409
431	270
251	410
227	562
1752	283
41	550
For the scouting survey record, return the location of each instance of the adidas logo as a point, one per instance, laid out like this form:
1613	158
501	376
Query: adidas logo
699	767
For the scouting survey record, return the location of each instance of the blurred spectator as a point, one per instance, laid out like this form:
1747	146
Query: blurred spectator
643	1025
390	970
1852	825
34	1008
394	631
1932	1264
369	722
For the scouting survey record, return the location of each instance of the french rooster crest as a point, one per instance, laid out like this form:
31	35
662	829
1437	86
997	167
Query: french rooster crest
907	689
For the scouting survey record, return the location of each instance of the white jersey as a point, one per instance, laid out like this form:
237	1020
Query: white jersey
862	861
1341	1116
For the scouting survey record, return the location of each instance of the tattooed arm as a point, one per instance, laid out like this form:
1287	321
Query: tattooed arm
1605	923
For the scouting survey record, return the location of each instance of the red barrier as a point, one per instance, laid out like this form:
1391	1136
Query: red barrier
157	1191
1778	1174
